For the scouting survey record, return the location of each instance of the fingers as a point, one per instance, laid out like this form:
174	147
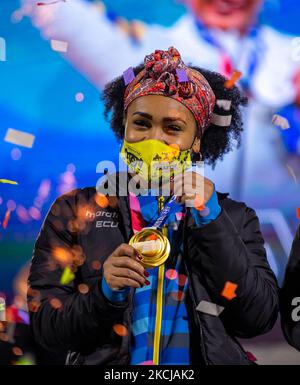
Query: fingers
122	268
116	283
190	183
125	250
128	263
129	274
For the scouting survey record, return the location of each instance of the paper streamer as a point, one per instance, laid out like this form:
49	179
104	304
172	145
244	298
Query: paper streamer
182	76
280	121
19	137
223	103
210	308
128	75
8	181
67	276
221	120
2	309
2	49
59	45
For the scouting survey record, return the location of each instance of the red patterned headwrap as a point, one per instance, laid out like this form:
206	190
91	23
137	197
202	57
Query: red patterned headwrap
160	77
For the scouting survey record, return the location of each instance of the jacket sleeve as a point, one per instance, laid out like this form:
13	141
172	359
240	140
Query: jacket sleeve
290	296
225	254
60	314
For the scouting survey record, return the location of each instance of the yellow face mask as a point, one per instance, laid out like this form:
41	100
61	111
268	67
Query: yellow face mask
152	158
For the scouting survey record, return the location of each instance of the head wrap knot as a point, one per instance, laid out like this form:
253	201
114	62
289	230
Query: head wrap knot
160	76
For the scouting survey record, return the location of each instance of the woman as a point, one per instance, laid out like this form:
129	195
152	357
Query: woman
216	283
290	296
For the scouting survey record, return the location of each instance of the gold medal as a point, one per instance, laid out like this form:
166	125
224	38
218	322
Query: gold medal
152	245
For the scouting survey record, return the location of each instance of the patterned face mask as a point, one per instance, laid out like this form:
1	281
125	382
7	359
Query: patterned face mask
152	159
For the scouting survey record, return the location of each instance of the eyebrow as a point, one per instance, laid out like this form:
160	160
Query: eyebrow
166	119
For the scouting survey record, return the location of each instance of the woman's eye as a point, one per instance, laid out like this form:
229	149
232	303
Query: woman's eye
174	128
141	123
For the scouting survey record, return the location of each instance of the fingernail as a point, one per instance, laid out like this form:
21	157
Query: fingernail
146	274
147	282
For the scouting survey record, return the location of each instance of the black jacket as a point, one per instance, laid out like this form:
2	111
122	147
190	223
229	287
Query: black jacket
231	248
291	290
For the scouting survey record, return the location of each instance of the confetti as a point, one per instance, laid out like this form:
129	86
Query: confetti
234	78
182	75
83	289
16	154
34	213
182	279
101	200
67	276
204	212
22	214
280	121
291	172
178	295
17	351
175	150
209	308
152	237
121	330
6	219
229	290
137	29
2	49
199	202
19	137
251	356
8	181
179	216
34	306
123	24
11	205
175	147
17	16
2	309
221	120
55	303
96	265
25	361
62	256
149	362
59	45
79	97
128	75
298	212
225	104
171	274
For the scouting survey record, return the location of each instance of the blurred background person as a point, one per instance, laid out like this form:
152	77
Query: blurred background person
17	345
221	35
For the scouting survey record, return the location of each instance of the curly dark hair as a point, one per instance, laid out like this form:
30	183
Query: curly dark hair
215	142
